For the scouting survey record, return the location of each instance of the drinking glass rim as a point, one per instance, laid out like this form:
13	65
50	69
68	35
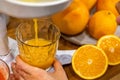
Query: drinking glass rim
6	67
38	46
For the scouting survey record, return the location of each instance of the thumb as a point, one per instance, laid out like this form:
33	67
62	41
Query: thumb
59	73
57	66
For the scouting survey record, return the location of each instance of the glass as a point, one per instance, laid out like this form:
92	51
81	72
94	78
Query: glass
4	70
38	46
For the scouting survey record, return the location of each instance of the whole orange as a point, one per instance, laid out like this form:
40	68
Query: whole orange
107	5
102	23
72	20
89	3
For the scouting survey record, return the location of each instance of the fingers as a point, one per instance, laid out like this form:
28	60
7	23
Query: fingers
23	74
18	74
24	66
27	71
15	75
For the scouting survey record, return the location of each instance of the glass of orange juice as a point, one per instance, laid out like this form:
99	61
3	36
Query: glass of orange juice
4	70
38	42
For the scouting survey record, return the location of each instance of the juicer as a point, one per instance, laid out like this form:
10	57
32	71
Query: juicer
19	9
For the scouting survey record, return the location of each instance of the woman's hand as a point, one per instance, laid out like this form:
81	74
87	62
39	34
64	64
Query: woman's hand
23	71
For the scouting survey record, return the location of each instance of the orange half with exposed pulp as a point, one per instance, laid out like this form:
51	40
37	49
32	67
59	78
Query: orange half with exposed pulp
111	46
89	62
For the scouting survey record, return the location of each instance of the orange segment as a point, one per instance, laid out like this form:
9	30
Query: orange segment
89	62
111	46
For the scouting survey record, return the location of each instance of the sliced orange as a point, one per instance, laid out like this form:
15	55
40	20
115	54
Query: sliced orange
111	46
89	62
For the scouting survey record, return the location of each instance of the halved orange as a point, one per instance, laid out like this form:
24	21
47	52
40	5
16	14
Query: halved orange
111	46
89	62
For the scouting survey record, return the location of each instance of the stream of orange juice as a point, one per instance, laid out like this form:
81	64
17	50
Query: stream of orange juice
42	55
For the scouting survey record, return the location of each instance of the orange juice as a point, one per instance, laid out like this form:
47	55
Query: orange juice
39	50
42	55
